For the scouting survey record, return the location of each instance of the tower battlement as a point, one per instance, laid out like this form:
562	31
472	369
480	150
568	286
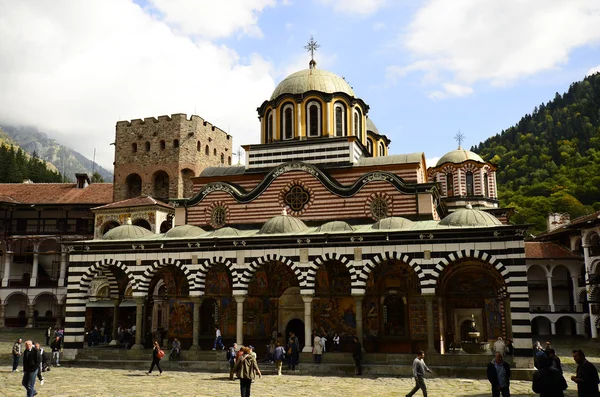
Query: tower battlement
166	119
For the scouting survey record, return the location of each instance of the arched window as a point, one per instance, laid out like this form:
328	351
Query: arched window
161	185
313	119
486	187
147	146
134	185
222	158
470	191
358	124
340	119
449	185
134	147
370	146
206	150
229	160
198	146
269	127
162	145
176	143
381	151
214	152
288	121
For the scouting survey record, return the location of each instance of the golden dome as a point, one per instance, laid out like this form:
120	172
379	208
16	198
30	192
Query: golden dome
312	80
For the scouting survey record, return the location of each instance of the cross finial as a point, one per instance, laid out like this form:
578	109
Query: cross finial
459	137
312	46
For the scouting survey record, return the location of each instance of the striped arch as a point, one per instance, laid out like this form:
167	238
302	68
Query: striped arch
199	282
311	272
470	254
247	274
594	266
582	296
597	321
151	271
105	265
594	294
386	256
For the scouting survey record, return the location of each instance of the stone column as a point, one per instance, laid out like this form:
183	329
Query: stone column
34	270
7	263
586	256
115	326
63	269
239	326
196	325
307	323
578	328
2	315
139	308
552	328
430	332
550	294
359	317
59	315
442	326
30	319
576	305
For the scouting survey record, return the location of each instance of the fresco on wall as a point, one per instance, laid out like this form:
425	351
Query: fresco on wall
260	316
332	278
217	281
493	318
335	314
227	320
371	316
181	315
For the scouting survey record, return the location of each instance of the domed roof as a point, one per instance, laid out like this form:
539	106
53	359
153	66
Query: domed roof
282	224
126	232
184	231
470	217
312	80
371	126
226	232
458	156
335	226
393	223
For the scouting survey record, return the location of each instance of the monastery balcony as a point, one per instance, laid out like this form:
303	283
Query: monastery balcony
557	309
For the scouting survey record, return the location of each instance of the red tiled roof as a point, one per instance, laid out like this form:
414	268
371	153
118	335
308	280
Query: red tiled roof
537	249
585	218
56	193
141	201
7	199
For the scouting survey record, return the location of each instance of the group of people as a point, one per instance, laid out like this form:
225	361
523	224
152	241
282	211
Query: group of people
243	364
35	360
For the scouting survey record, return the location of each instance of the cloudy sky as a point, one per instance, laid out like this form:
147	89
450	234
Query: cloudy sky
426	68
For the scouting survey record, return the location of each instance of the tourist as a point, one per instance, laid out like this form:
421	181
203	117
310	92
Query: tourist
317	349
498	373
499	346
156	357
16	352
30	367
554	360
231	356
40	351
324	342
336	343
278	356
55	347
548	347
246	370
538	353
218	339
252	352
510	348
48	335
586	376
357	355
293	351
270	351
419	368
548	381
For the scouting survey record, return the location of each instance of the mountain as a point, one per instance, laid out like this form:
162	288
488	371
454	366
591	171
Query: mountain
550	160
7	141
68	161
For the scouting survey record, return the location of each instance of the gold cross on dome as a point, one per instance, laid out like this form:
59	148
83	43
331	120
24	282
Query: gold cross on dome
312	46
459	137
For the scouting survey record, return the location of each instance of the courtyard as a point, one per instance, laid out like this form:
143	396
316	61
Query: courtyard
71	381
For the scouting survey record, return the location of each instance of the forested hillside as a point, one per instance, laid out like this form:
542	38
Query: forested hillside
550	160
16	166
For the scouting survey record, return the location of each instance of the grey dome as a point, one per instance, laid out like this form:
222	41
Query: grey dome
393	223
282	224
126	232
312	80
184	231
470	217
226	232
458	156
371	126
335	226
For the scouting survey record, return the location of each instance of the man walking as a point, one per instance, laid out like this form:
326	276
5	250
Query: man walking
498	373
218	339
55	347
586	376
40	351
548	381
231	356
357	355
16	352
48	335
419	369
30	368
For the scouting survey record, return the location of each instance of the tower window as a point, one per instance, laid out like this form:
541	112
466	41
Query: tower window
381	151
229	160
288	122
358	125
176	143
222	158
314	119
198	146
215	152
470	191
370	146
269	128
134	147
340	119
449	185
162	145
147	146
486	185
206	150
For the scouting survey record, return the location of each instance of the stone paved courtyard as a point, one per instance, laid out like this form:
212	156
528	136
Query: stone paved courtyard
77	382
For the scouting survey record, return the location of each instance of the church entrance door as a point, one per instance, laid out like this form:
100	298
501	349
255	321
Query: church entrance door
297	327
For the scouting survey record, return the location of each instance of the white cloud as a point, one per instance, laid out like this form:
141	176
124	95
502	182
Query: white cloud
355	7
379	26
594	70
451	90
78	70
497	42
432	161
212	19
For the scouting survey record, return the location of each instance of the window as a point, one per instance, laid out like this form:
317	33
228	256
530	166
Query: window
381	151
340	119
222	158
162	145
218	218
449	185
206	150
198	146
297	197
288	121
147	146
176	143
358	125
214	152
379	208
313	121
229	160
486	186
269	128
134	147
470	192
370	146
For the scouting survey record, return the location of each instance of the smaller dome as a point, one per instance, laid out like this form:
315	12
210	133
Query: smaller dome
371	126
282	224
126	232
470	217
393	223
458	156
184	231
335	226
226	232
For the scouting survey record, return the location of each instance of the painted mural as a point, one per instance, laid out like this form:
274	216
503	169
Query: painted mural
227	308
335	314
217	281
260	316
493	318
181	315
371	316
332	278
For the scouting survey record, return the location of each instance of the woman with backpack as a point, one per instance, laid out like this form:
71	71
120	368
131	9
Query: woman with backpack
246	370
157	355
